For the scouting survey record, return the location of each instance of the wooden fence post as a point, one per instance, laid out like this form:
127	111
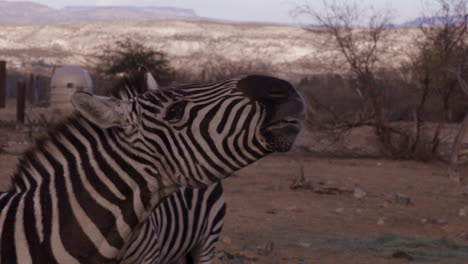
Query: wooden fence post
2	84
20	101
31	91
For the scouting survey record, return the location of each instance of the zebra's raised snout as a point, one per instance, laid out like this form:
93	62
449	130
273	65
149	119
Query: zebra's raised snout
285	109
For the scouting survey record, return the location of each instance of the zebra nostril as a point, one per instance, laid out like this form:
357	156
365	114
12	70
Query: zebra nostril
278	92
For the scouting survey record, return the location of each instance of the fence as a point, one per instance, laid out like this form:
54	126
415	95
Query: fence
29	90
37	88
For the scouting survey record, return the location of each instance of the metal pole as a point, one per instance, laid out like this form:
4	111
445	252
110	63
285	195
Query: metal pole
2	84
20	101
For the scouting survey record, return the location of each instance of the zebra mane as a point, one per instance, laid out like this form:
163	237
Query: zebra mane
133	82
130	85
38	146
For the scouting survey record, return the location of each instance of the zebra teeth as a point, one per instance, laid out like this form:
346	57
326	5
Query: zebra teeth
282	124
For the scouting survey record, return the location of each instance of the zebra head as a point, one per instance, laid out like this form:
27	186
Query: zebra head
203	133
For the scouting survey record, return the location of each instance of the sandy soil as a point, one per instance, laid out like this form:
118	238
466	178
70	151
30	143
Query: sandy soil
350	211
344	211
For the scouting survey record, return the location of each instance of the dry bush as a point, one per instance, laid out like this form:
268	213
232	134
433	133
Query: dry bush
334	97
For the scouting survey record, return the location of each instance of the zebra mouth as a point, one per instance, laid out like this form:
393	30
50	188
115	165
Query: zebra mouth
282	124
280	135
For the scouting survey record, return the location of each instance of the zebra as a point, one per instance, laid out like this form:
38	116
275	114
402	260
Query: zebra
182	229
80	192
186	225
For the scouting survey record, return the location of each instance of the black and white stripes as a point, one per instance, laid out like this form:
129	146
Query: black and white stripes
183	228
77	196
186	225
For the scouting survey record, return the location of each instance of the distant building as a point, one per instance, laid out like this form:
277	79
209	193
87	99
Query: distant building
65	81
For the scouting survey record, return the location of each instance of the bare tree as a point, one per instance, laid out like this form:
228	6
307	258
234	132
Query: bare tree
440	61
359	35
453	164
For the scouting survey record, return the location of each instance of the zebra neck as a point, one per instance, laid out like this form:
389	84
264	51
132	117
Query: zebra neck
81	191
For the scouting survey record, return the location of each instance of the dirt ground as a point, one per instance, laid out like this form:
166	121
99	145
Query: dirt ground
342	211
348	211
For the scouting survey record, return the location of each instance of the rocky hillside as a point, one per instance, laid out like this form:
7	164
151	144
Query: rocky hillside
195	46
37	14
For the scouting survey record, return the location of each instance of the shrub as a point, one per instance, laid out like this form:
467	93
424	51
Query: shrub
128	55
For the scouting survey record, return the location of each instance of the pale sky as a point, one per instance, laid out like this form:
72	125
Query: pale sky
246	10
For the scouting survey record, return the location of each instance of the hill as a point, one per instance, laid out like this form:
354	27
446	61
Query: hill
195	46
29	13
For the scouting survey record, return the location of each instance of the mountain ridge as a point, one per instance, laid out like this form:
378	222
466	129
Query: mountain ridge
30	13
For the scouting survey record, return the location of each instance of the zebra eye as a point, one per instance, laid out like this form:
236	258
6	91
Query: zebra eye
175	112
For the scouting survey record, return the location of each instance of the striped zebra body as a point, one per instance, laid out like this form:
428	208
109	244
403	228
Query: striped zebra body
78	195
183	229
186	225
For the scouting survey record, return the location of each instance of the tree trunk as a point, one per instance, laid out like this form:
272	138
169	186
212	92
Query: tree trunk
453	166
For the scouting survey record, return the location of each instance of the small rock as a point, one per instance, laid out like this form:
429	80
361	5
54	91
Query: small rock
339	210
304	245
224	255
381	221
402	255
463	236
465	190
266	250
424	220
463	211
248	247
227	240
238	260
403	199
359	193
385	204
272	211
441	221
220	255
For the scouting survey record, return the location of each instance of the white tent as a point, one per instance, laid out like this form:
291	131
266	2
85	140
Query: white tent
65	81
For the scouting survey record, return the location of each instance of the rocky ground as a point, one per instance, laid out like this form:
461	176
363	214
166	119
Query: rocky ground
297	209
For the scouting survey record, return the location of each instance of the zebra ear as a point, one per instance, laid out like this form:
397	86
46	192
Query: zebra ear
102	111
151	82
